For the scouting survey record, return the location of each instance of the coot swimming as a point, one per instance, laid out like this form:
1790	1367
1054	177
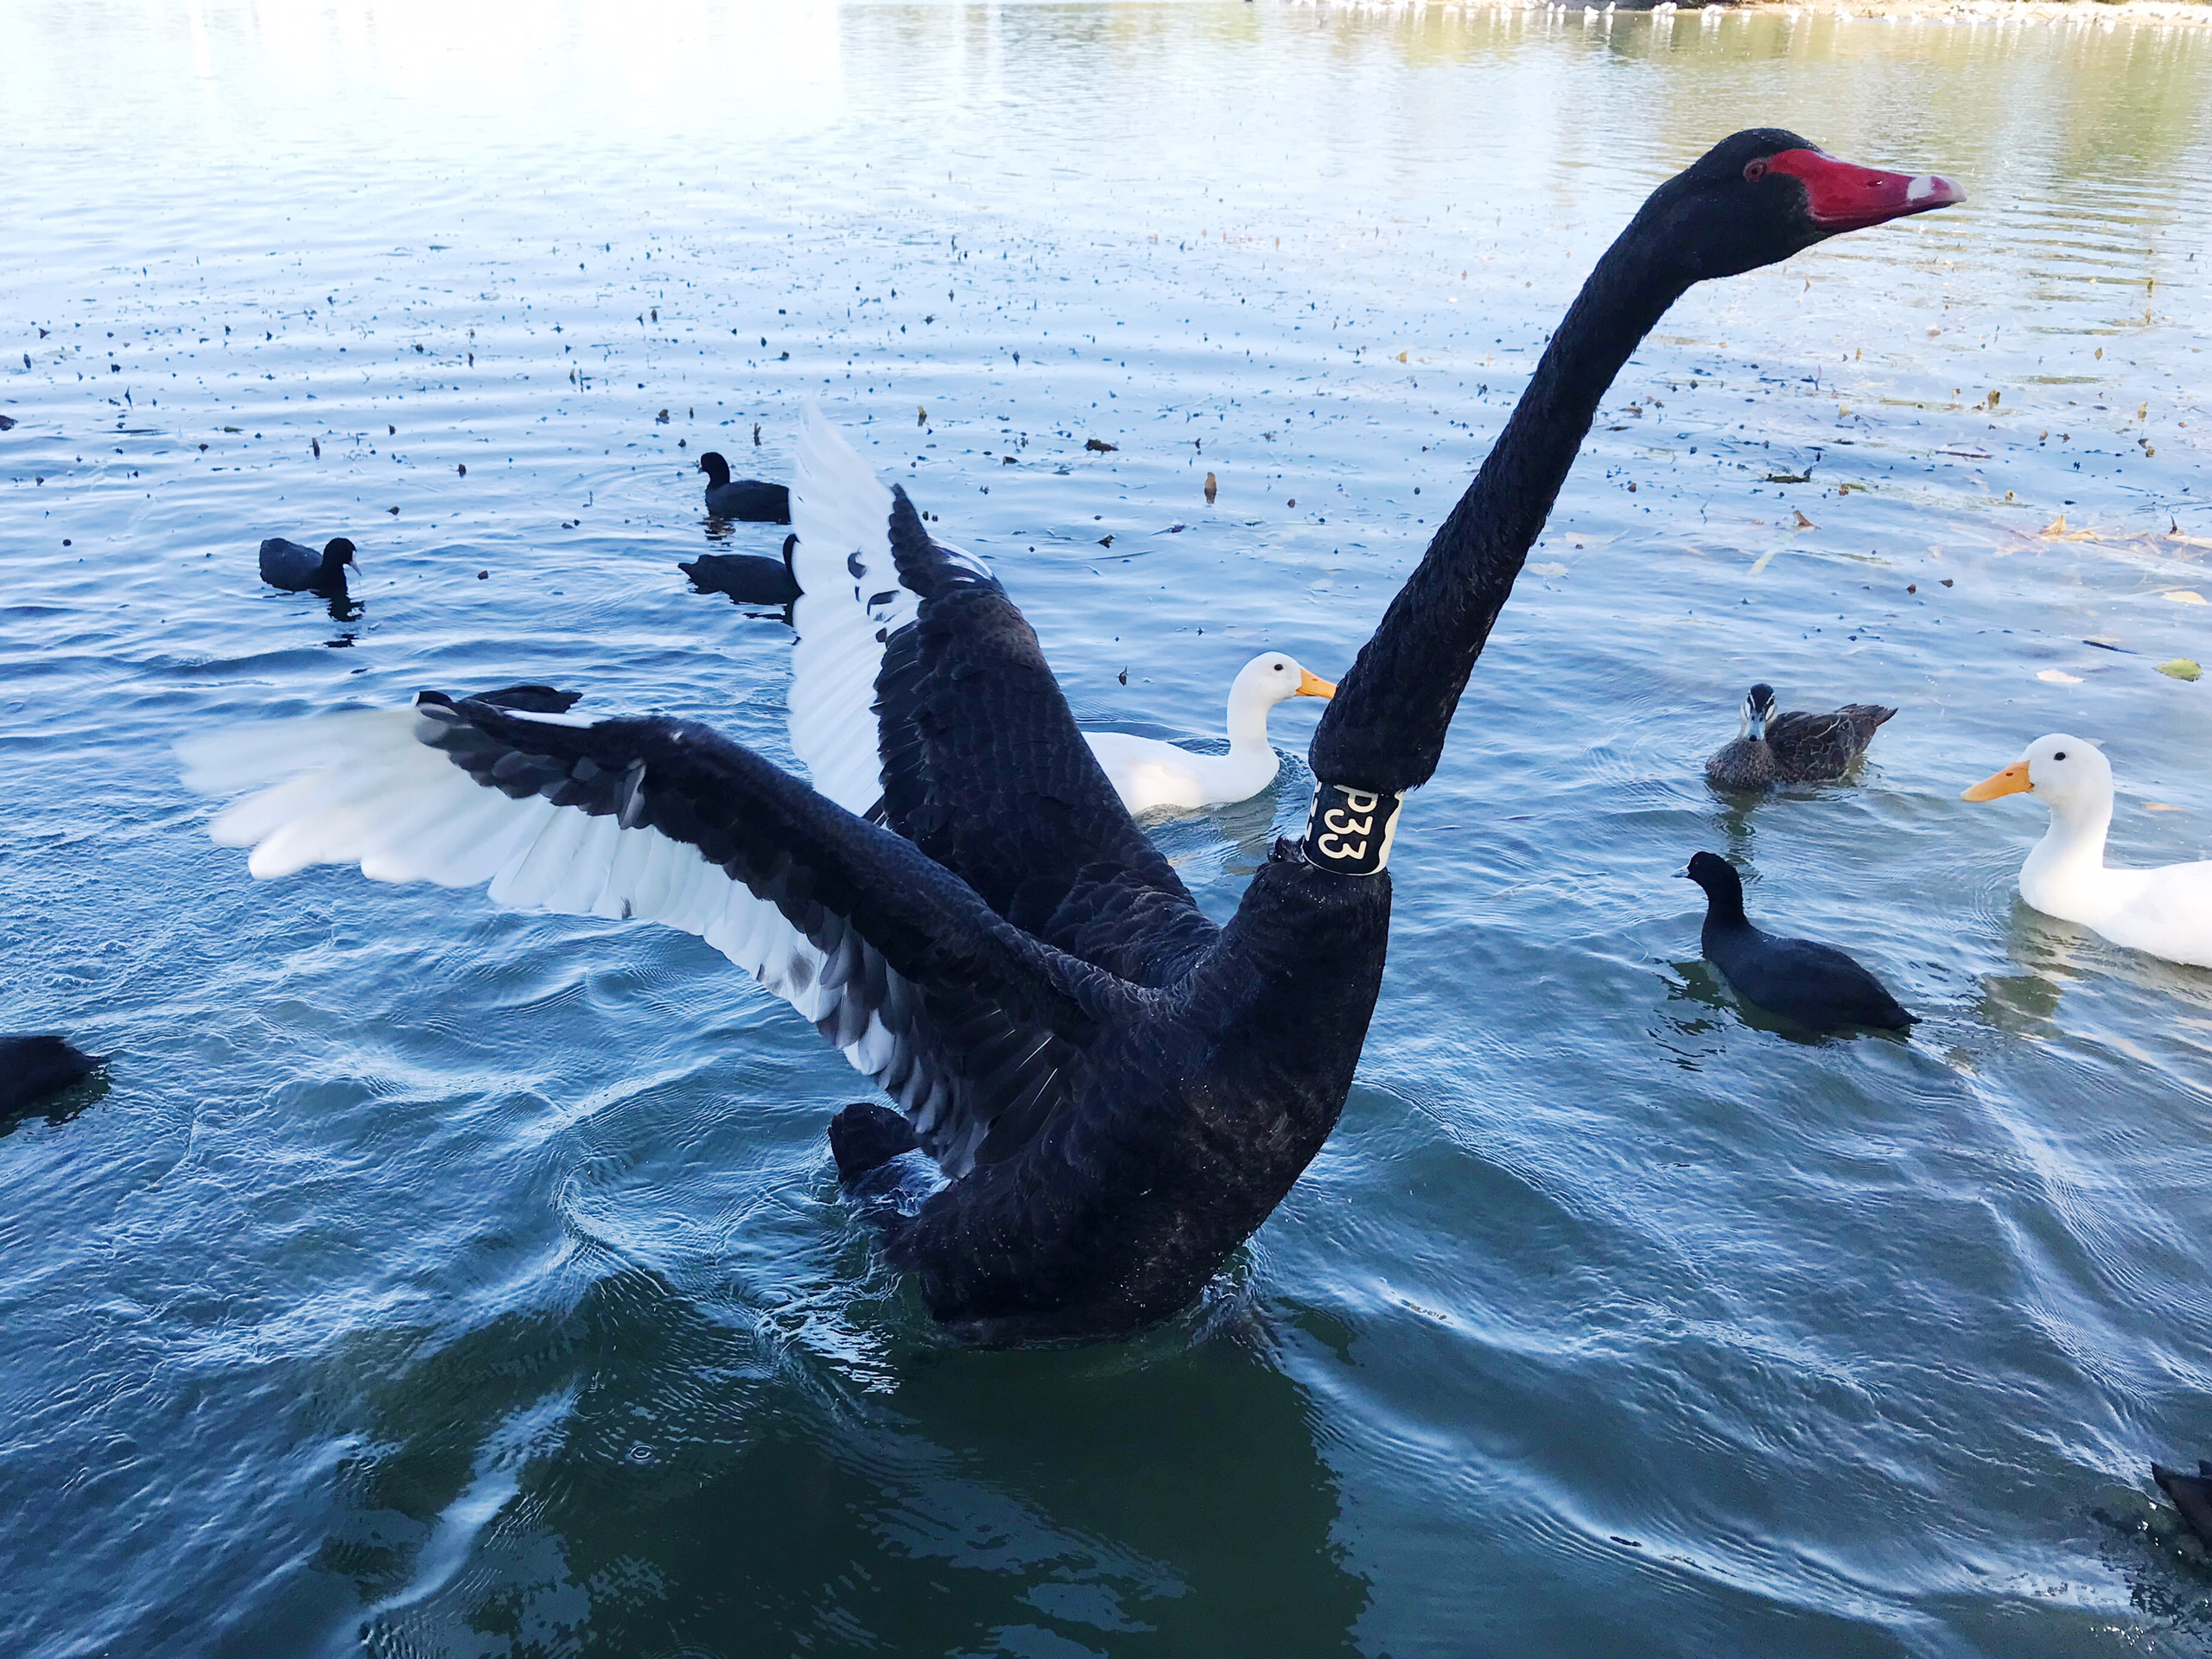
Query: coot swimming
1814	984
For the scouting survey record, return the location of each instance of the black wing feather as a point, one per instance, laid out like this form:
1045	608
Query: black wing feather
989	1029
985	771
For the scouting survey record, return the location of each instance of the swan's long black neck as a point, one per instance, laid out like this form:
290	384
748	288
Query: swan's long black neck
1386	726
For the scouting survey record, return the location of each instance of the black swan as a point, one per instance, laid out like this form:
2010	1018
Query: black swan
1814	984
299	569
1796	747
1118	1091
32	1068
749	499
747	578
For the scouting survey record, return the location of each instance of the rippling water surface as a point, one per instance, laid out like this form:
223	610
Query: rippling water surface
431	1280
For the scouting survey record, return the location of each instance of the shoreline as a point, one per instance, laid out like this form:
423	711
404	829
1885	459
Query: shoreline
2087	14
2081	14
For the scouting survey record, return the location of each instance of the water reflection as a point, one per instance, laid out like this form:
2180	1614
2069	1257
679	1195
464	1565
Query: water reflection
2022	1005
648	1479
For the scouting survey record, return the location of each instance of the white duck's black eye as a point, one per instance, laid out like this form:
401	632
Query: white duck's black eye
2061	755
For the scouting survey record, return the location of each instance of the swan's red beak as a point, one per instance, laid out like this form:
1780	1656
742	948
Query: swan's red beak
1842	197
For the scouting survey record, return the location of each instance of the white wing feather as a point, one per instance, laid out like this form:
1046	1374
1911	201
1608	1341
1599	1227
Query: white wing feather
842	514
358	788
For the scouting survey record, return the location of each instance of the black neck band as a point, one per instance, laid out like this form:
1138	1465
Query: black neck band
1350	831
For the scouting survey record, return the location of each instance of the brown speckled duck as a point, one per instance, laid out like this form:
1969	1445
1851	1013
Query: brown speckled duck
1793	748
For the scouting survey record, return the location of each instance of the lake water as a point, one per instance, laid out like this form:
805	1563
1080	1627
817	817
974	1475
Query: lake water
433	1280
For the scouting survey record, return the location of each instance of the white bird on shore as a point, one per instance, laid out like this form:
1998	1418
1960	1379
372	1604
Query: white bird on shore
1148	774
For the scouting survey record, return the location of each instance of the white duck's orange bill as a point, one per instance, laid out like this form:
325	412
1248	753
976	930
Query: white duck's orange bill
1311	684
2013	780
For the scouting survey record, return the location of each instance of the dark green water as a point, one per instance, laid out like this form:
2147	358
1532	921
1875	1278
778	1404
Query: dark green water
431	1280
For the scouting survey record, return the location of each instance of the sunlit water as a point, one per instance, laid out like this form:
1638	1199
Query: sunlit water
431	1280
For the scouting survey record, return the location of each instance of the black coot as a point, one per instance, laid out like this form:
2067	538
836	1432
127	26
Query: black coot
1814	984
299	569
747	578
32	1068
751	500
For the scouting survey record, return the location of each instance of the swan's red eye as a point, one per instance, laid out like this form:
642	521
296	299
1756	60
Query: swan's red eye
1756	171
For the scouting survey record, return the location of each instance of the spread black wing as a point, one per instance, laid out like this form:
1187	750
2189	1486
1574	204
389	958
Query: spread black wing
920	695
978	1031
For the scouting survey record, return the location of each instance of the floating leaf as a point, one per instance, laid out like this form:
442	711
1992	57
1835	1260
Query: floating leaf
1803	523
2185	596
1210	488
2162	806
2058	676
2180	668
1549	569
2056	526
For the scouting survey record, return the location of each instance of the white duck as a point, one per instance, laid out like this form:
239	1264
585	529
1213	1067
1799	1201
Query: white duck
2166	912
1148	774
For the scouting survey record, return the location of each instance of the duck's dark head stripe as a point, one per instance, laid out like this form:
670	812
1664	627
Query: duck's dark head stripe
1349	832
